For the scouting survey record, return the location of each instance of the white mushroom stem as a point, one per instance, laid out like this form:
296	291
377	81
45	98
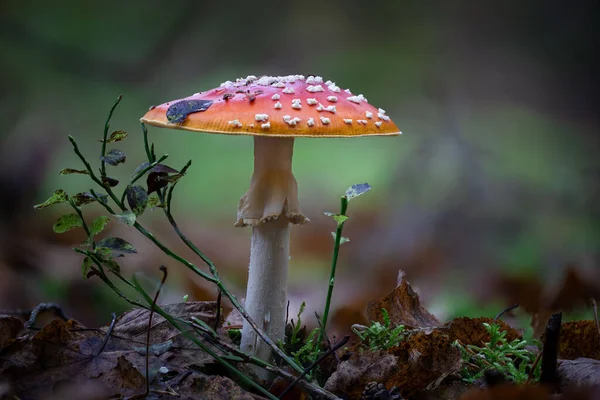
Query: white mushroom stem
269	206
266	294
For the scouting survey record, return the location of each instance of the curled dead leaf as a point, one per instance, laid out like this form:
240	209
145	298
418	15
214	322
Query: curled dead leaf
403	306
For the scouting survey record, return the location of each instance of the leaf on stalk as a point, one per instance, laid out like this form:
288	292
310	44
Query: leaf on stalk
140	168
117	245
127	217
342	239
164	168
98	225
59	196
114	157
154	201
356	190
137	198
67	222
68	171
110	182
116	136
81	199
339	218
156	181
86	268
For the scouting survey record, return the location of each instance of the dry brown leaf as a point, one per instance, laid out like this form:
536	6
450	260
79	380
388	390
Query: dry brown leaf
10	327
579	339
576	290
509	392
403	307
471	330
526	291
67	351
420	361
579	373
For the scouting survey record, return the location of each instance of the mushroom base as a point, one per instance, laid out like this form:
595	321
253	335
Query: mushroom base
273	189
266	295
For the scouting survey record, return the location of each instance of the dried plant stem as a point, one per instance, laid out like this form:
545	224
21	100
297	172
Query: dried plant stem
108	334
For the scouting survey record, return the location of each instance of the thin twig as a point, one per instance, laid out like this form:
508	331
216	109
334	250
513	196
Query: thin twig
163	269
501	313
108	333
314	364
533	367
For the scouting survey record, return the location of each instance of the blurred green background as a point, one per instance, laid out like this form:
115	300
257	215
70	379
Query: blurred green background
496	172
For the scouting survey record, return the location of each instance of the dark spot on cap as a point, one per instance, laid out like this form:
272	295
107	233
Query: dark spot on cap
179	111
227	96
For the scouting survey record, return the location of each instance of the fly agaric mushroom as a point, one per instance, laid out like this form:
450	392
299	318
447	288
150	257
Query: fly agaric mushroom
275	110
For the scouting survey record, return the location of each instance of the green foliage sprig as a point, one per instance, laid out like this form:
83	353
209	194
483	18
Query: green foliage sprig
380	336
512	359
101	256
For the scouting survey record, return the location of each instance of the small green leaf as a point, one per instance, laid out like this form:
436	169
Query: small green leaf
339	218
356	190
127	217
67	222
59	196
86	266
342	239
117	245
154	201
114	157
112	265
68	171
137	198
81	199
116	136
98	225
185	298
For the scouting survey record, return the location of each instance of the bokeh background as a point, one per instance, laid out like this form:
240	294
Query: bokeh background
496	174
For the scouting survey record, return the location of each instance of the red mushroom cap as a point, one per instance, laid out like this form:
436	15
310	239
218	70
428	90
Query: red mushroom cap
278	106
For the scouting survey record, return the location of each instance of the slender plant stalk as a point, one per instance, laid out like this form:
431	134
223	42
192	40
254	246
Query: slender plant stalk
106	126
334	259
83	223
